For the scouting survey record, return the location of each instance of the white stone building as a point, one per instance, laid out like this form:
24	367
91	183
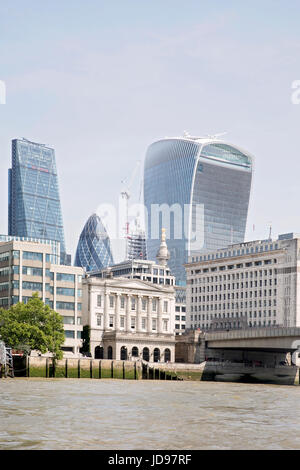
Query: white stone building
131	317
250	284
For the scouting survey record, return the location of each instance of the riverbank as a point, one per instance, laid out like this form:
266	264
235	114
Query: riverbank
138	370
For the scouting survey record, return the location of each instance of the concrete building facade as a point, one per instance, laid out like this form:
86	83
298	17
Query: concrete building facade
252	284
27	267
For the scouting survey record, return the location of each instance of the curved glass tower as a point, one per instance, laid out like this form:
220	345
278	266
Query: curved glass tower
93	250
198	189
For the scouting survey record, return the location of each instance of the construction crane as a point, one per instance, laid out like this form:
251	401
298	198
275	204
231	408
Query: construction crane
126	195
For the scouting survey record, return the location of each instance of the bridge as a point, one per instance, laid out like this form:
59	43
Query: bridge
272	339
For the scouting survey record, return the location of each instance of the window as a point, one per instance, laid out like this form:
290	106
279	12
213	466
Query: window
144	304
133	302
65	291
69	320
99	300
111	301
33	286
165	325
154	305
132	322
165	306
69	334
99	320
111	321
122	302
65	277
32	256
28	271
153	324
122	322
65	305
144	323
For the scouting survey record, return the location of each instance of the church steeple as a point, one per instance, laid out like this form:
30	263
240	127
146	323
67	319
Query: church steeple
163	254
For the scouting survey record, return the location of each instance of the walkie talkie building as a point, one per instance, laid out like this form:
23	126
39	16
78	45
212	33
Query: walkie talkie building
199	190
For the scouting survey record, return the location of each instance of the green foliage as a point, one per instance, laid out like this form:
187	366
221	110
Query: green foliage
32	326
86	334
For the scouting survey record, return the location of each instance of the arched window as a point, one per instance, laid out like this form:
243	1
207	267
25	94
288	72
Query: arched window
98	352
146	355
156	355
109	352
135	352
124	353
167	355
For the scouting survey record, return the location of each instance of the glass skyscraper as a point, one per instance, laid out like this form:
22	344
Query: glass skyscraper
198	189
34	208
93	250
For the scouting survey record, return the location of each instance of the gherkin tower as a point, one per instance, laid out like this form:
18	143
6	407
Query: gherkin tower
94	250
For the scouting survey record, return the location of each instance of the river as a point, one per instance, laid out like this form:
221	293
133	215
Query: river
117	414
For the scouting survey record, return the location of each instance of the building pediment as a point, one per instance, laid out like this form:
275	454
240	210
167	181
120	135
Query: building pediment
138	284
123	283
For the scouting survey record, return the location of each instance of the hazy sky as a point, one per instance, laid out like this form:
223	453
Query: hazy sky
101	80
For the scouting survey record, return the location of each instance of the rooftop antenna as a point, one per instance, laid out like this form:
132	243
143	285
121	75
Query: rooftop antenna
270	231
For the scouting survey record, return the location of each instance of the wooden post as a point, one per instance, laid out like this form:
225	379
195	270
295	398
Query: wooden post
134	370
91	368
78	367
124	370
47	367
53	367
66	368
112	369
100	373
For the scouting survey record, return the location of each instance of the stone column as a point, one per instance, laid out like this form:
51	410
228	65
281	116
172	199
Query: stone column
117	312
139	314
159	315
106	315
149	315
128	313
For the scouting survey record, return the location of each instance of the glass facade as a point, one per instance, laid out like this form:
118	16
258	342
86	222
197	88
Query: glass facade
205	186
34	203
93	250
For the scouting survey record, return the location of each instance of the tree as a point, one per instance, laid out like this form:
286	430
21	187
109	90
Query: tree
33	326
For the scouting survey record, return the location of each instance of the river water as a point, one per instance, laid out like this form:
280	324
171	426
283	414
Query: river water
117	414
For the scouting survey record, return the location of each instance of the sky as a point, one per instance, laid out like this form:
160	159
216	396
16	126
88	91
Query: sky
100	80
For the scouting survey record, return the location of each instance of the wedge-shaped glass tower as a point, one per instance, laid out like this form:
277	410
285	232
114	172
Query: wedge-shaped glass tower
34	208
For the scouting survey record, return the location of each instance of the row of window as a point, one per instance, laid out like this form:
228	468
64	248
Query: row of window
236	295
233	277
233	325
239	252
133	320
254	314
233	305
237	285
133	301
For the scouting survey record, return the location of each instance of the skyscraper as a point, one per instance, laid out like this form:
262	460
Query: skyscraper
34	208
93	250
198	189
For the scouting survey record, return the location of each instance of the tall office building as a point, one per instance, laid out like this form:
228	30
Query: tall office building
198	189
34	208
93	249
